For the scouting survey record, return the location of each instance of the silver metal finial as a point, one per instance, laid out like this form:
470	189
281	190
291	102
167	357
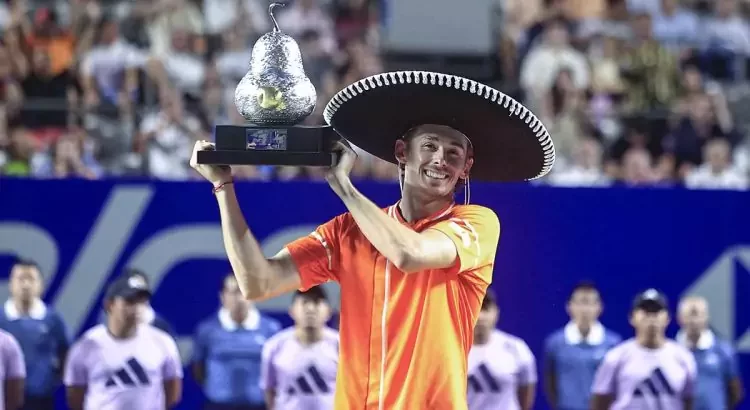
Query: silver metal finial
273	18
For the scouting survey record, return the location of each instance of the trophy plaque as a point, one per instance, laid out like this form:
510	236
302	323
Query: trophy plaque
274	97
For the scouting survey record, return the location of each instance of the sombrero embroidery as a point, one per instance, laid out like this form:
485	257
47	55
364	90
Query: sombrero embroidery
510	143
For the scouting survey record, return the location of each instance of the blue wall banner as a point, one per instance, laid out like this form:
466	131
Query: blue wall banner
82	233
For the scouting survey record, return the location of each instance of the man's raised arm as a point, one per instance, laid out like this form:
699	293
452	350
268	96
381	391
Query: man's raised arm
258	277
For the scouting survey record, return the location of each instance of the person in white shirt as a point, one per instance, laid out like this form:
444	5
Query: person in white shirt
717	171
540	68
586	168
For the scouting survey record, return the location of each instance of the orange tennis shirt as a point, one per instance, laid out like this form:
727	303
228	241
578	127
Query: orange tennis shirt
404	338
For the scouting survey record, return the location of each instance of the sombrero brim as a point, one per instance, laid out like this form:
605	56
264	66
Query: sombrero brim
509	142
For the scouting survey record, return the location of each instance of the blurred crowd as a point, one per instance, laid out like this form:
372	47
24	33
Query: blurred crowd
634	92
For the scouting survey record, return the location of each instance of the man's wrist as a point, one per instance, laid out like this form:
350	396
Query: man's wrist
222	186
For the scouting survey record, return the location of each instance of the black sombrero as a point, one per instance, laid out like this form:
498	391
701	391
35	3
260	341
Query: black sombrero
510	143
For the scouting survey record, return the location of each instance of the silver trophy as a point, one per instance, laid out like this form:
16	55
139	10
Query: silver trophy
274	96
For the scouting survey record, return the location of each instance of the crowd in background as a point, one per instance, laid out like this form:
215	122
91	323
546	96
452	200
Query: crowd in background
634	92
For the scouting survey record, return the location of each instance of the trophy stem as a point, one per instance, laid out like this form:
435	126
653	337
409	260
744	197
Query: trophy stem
273	18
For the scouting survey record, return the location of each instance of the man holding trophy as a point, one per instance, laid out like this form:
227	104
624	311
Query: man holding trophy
412	275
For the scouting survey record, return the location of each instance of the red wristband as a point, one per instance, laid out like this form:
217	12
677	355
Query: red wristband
221	186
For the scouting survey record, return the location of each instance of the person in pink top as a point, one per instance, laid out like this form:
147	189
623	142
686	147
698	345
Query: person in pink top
12	372
502	369
649	371
299	364
124	364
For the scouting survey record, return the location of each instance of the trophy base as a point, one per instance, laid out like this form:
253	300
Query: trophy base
272	145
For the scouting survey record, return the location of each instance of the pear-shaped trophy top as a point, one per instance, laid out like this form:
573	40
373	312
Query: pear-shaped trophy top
275	89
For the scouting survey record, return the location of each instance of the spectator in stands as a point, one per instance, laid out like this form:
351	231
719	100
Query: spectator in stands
224	16
40	85
572	353
356	19
163	18
227	351
630	371
651	70
182	68
308	16
638	168
585	170
719	385
717	172
70	157
109	71
517	17
502	368
12	373
39	330
676	27
46	33
299	364
19	154
708	116
123	364
561	112
167	137
638	136
725	41
541	67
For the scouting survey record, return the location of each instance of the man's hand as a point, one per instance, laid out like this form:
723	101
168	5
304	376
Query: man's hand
215	174
338	175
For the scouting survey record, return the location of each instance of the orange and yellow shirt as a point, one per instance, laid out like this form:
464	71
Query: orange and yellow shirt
405	338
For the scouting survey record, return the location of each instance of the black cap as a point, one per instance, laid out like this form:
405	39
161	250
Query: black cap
315	294
650	300
128	287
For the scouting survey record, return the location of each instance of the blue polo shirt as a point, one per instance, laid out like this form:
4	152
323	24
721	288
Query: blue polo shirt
231	355
574	362
717	365
42	336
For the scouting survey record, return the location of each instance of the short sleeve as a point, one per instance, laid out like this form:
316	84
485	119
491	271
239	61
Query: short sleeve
13	360
475	230
267	371
317	255
172	367
527	368
605	378
76	371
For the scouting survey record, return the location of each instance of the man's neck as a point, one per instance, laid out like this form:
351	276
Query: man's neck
414	207
120	332
584	329
23	306
650	342
238	316
309	335
481	338
692	338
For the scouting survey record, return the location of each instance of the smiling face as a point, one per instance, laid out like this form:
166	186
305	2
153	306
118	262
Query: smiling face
434	158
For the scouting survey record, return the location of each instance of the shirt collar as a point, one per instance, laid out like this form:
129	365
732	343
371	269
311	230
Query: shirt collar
394	212
573	334
251	322
38	310
706	340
